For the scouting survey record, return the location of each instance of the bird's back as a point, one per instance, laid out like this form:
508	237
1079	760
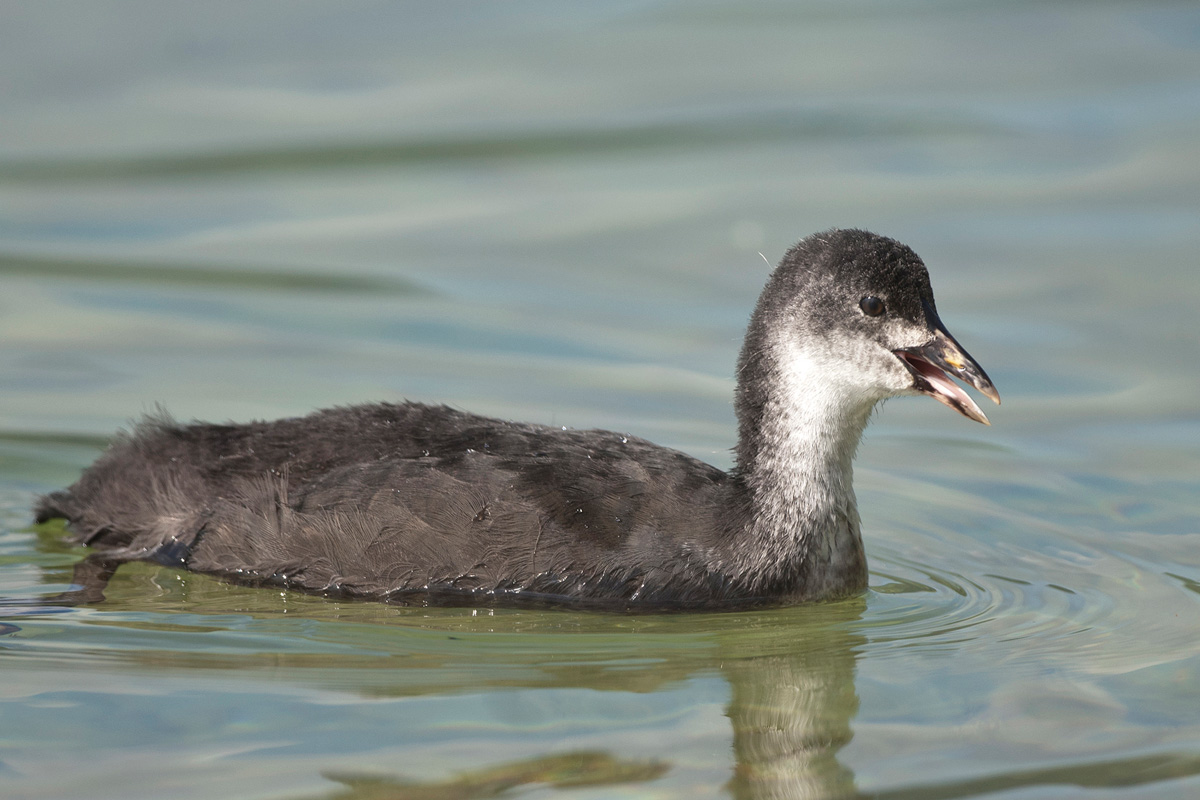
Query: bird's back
406	500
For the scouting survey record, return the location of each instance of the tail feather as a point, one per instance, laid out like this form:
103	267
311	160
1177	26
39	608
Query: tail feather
136	496
56	505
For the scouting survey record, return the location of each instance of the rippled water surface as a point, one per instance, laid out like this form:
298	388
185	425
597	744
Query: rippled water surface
555	212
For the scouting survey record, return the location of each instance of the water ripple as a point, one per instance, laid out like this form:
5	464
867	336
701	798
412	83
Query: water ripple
235	277
914	605
666	134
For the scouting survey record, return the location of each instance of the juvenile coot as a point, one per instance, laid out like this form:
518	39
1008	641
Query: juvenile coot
412	503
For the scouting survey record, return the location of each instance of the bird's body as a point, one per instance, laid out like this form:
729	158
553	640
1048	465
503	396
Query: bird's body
414	503
410	503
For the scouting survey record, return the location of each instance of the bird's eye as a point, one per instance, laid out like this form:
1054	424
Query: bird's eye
871	306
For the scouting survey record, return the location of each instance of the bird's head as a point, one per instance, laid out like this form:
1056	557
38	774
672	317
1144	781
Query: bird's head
858	310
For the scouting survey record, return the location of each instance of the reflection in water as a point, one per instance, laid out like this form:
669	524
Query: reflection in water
791	715
1136	771
790	671
565	771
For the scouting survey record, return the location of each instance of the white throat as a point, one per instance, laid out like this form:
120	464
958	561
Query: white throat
802	478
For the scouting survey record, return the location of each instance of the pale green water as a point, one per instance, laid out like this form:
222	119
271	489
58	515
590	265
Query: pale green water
553	212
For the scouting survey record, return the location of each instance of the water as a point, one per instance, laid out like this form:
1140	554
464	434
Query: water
554	212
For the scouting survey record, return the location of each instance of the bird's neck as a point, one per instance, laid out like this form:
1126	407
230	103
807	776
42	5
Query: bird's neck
799	428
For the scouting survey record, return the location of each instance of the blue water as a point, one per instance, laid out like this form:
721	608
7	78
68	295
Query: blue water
555	212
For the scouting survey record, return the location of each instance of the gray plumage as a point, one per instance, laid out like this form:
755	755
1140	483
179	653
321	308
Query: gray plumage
413	503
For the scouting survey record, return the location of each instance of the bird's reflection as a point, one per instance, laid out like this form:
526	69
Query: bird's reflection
790	672
790	716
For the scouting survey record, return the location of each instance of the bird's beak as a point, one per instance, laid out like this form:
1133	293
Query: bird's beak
933	364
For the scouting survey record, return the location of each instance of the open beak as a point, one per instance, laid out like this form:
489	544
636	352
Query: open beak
934	363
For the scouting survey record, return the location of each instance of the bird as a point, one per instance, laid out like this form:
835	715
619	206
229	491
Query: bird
418	504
